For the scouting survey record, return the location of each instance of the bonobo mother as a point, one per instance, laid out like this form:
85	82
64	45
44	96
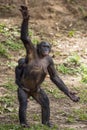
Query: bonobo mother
31	72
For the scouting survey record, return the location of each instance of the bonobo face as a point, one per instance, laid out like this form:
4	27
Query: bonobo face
43	49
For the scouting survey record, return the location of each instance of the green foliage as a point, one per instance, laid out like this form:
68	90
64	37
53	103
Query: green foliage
77	115
84	78
71	66
70	119
56	93
67	69
35	41
83	95
75	59
6	104
17	127
31	33
3	51
71	33
10	127
10	44
83	68
9	41
84	73
36	117
81	114
11	64
10	85
2	27
33	38
6	99
62	68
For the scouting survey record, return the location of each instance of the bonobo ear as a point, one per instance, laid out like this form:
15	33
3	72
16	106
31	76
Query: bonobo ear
38	48
50	46
38	45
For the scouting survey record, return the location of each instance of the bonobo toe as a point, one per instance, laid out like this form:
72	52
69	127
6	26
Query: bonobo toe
49	124
25	125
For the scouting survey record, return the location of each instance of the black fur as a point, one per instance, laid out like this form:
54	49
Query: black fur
31	74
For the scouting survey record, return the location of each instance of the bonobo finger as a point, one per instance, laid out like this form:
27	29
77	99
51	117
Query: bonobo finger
76	99
23	7
73	93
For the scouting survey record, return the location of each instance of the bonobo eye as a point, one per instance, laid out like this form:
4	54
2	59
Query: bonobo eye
43	48
45	44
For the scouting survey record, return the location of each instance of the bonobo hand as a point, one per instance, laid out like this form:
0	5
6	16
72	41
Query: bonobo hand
24	11
73	97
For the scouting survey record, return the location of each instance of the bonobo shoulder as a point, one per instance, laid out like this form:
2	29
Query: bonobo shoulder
49	58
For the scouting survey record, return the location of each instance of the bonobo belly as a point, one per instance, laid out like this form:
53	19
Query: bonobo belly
33	77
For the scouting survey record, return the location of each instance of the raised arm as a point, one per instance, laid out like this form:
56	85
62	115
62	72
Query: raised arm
59	83
30	50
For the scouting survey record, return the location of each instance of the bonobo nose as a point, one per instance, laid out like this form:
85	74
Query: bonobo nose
46	53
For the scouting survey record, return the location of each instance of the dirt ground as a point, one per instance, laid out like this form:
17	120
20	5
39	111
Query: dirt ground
54	21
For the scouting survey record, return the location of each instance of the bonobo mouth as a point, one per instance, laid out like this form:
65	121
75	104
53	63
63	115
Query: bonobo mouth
45	54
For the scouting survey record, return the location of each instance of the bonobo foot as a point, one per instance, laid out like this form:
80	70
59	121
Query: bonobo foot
73	97
24	11
49	124
25	125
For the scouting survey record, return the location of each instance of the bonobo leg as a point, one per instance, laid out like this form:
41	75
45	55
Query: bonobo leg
19	71
22	97
43	100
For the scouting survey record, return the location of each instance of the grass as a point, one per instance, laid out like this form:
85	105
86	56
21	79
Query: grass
2	28
9	41
71	67
10	44
70	119
83	95
67	69
7	103
10	86
36	117
3	51
75	115
74	59
34	127
33	37
10	127
55	92
11	64
71	33
84	73
81	114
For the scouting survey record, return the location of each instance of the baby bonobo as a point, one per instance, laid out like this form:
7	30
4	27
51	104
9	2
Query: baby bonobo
31	72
